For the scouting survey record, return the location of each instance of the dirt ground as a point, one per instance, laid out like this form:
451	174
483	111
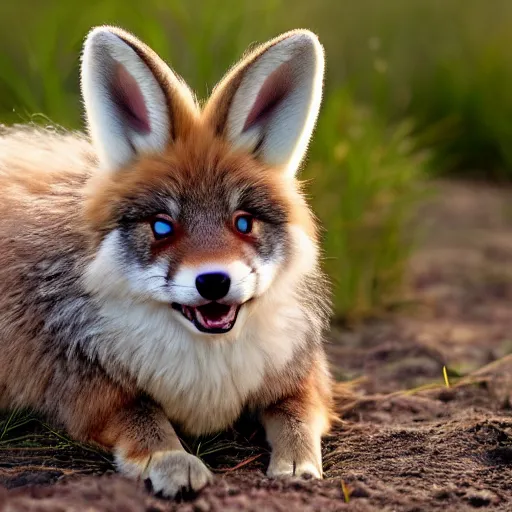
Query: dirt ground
408	442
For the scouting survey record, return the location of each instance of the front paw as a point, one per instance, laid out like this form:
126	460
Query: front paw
281	468
171	472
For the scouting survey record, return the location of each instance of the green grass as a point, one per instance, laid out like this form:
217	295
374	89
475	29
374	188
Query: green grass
445	63
403	77
366	179
27	440
23	429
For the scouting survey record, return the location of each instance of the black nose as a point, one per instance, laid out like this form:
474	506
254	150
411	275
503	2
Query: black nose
213	286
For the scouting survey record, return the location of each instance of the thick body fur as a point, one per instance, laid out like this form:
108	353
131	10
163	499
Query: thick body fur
87	333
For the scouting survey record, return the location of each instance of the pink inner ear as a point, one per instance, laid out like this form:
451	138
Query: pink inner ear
275	88
127	96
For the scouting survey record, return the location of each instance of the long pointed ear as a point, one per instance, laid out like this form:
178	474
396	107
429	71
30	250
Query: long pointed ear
134	103
268	104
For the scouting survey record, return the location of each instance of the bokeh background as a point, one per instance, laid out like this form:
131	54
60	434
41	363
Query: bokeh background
415	90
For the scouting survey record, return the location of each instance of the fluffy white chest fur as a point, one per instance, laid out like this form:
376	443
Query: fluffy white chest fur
200	381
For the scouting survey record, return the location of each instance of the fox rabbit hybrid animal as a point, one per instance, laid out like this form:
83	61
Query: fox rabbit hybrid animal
166	272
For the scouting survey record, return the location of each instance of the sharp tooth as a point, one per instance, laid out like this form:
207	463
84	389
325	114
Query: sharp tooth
230	315
201	319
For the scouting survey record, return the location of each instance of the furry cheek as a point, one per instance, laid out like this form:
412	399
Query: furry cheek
111	273
266	272
302	259
304	250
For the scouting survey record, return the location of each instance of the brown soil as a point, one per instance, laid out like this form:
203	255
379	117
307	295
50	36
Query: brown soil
409	442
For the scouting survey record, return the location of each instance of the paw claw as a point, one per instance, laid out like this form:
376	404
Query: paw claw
283	469
177	472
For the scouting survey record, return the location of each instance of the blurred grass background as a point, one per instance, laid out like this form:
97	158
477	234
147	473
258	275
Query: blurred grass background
414	90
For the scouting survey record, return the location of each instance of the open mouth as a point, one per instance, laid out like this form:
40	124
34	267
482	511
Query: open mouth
213	318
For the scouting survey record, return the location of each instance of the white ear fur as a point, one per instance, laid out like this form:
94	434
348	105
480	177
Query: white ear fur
284	84
126	108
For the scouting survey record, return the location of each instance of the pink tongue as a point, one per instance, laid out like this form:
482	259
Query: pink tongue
211	317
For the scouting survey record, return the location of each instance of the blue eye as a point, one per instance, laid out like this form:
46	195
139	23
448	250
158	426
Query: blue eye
243	224
162	228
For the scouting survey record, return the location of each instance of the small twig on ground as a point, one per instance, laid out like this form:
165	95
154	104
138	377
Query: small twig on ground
242	463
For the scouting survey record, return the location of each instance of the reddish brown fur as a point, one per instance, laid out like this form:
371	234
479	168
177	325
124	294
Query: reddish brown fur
75	207
199	157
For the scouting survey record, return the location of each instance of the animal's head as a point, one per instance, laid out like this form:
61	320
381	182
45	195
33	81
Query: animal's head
199	209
